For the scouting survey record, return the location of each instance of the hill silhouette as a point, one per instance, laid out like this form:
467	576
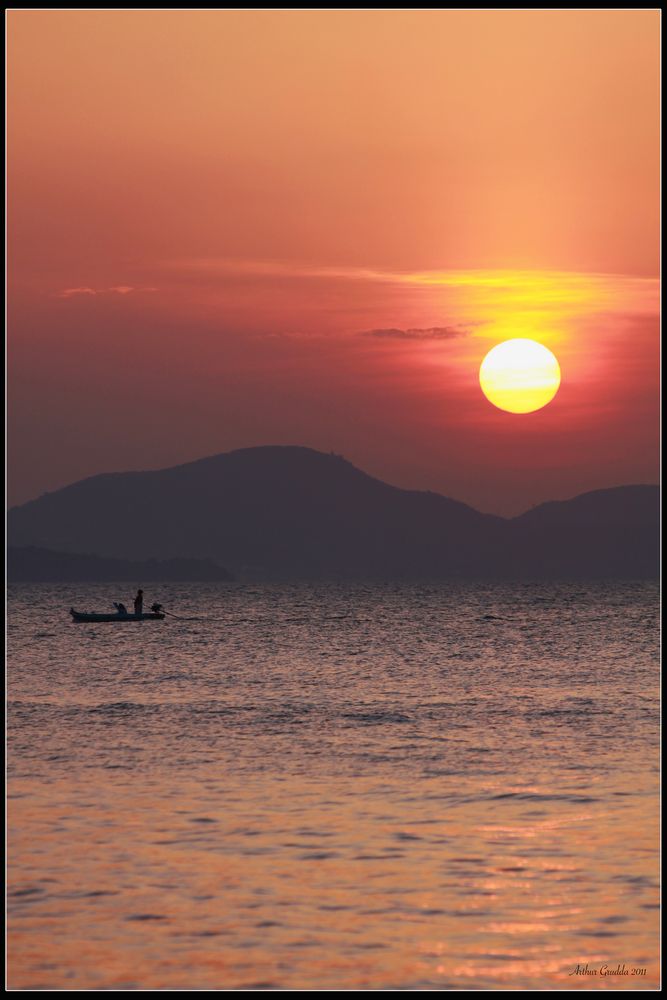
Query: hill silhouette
296	513
610	533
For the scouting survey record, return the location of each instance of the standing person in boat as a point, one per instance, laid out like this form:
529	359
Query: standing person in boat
139	603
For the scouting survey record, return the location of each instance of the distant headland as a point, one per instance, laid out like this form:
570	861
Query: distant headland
292	513
29	564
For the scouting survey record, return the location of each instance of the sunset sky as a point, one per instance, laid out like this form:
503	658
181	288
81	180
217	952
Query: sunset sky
234	228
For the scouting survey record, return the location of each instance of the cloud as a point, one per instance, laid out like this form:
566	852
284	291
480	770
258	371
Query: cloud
573	290
428	333
68	293
216	266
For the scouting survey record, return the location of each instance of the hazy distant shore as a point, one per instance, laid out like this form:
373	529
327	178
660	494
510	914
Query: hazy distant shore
292	513
35	565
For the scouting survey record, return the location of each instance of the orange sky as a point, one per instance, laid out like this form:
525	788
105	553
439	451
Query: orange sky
230	228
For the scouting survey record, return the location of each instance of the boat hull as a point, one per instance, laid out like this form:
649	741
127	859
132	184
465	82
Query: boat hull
83	616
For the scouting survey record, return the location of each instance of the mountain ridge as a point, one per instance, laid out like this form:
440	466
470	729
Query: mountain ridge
293	512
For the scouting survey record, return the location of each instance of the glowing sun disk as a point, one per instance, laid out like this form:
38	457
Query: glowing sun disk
519	376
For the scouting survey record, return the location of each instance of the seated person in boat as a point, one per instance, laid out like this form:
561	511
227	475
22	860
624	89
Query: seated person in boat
120	608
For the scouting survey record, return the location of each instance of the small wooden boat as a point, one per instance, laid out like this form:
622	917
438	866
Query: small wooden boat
83	616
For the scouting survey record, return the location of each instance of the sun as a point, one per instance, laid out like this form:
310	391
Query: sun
519	376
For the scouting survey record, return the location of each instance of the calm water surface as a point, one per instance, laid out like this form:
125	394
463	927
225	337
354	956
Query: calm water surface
402	787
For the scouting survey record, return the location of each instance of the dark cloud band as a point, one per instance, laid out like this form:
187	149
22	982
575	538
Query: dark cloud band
427	333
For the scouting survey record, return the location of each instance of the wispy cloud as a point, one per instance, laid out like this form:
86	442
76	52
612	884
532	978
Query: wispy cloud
427	333
568	290
275	268
69	293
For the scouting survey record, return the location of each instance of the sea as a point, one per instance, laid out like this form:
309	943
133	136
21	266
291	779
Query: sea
335	787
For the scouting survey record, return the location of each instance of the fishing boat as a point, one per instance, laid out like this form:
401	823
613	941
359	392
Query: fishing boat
84	616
